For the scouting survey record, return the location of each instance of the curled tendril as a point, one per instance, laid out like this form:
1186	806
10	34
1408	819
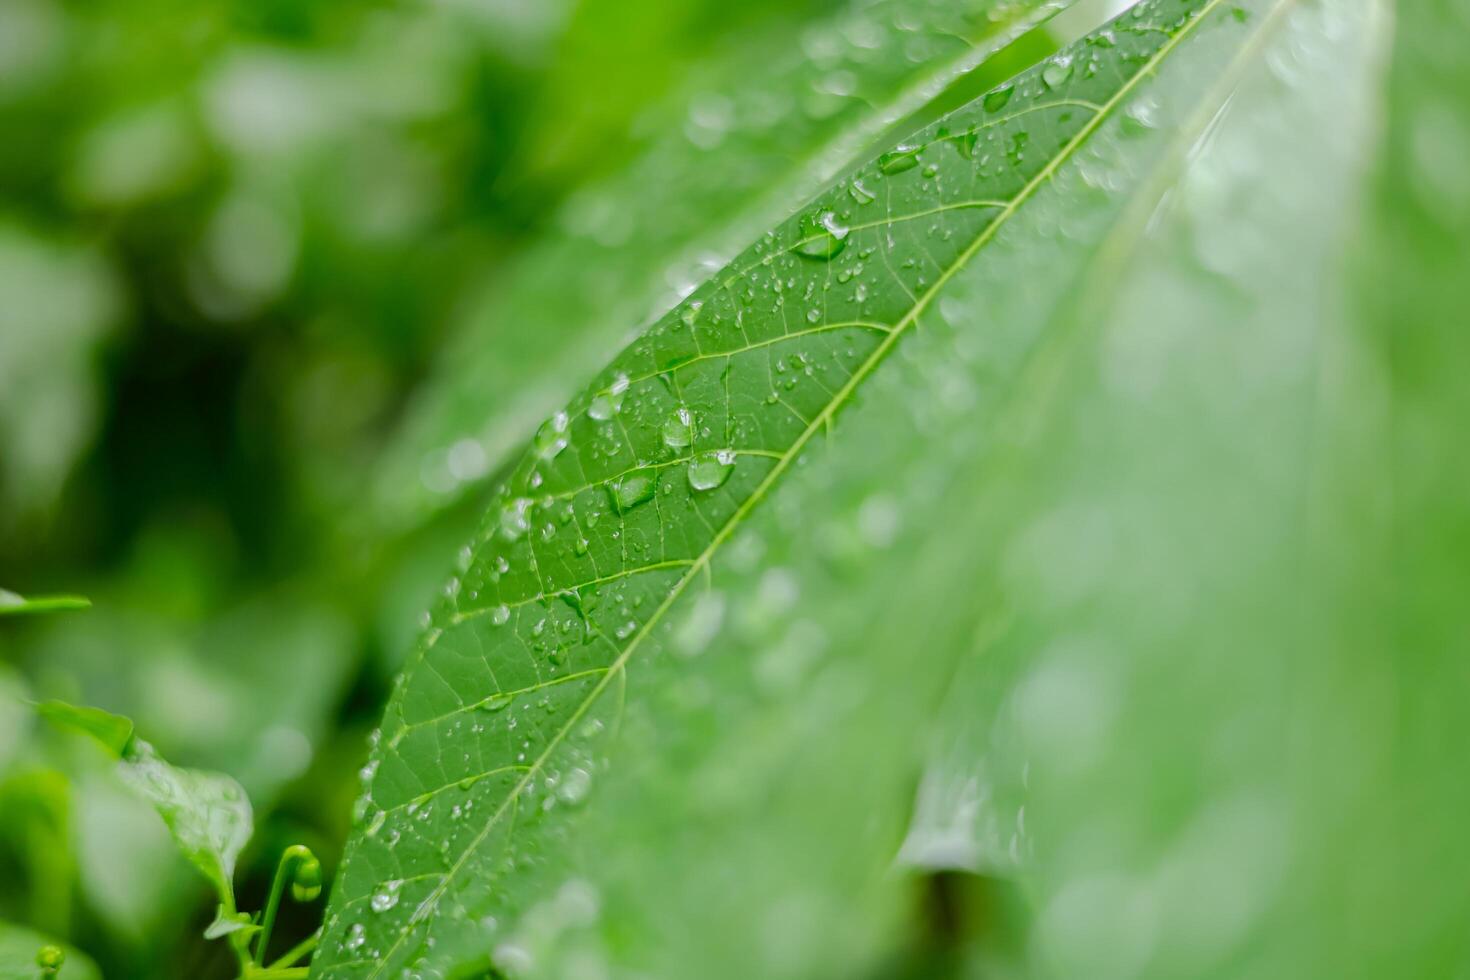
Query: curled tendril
306	883
303	871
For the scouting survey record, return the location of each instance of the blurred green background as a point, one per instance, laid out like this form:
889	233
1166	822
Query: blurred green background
235	237
232	236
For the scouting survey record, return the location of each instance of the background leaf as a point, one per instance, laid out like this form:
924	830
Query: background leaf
18	947
207	813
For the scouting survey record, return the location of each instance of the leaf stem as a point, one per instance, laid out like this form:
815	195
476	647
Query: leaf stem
290	857
296	952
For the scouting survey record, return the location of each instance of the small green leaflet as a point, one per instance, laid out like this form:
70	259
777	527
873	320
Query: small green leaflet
630	497
207	813
12	604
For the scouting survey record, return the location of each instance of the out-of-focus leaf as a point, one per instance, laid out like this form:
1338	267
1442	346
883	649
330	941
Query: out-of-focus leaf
12	604
114	731
667	473
751	139
35	833
207	813
1181	719
18	949
57	302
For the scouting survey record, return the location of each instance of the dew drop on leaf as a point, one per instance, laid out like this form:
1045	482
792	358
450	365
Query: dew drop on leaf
823	235
385	896
996	101
678	430
710	470
551	438
631	490
1056	72
902	157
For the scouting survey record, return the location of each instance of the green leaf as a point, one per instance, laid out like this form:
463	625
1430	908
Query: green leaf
114	731
17	605
18	949
207	814
227	923
790	415
755	135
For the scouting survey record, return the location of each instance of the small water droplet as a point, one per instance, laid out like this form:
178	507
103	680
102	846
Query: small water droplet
860	194
710	470
903	157
996	101
631	490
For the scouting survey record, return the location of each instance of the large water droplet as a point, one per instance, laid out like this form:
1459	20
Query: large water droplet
996	101
631	490
551	438
678	429
1057	72
710	470
823	235
902	157
385	896
574	786
515	518
606	404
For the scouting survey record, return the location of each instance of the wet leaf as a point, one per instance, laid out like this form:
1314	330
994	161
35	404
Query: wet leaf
628	604
755	134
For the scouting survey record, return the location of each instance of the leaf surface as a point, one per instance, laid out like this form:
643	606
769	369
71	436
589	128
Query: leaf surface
593	569
756	135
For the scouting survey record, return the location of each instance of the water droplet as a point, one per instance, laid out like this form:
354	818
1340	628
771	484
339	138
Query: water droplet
996	101
1057	72
385	896
356	936
903	157
551	438
861	194
631	490
606	404
678	429
823	235
496	702
515	518
574	786
500	615
710	470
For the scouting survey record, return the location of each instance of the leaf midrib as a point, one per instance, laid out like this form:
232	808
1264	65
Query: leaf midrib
821	420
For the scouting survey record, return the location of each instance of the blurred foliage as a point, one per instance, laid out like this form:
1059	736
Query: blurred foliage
254	253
